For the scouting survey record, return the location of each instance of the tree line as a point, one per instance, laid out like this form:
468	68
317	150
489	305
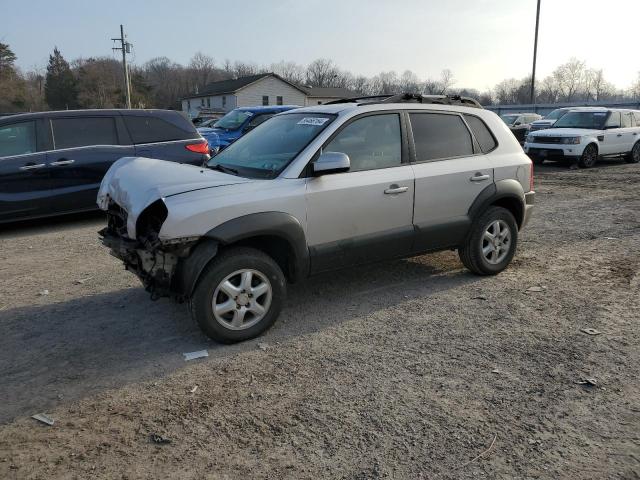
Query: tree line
97	82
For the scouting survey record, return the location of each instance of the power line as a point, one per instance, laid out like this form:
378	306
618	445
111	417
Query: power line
125	47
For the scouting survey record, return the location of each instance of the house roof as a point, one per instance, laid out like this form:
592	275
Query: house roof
329	92
225	87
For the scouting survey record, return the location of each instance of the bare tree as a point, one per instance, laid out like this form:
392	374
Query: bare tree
203	70
635	88
322	73
409	82
446	81
290	71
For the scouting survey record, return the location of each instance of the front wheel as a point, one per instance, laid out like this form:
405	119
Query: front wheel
589	156
239	295
491	243
634	155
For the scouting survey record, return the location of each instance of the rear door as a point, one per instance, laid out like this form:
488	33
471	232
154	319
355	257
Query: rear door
629	131
364	214
84	149
24	178
450	171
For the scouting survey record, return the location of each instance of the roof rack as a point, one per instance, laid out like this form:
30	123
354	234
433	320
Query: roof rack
412	98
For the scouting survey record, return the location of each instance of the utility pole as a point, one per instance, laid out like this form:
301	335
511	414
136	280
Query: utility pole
126	48
535	54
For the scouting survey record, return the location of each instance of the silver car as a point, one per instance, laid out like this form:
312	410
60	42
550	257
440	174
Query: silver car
317	189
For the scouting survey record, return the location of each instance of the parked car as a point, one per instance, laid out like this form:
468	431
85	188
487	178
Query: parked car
586	133
519	123
313	190
205	119
548	120
238	122
53	162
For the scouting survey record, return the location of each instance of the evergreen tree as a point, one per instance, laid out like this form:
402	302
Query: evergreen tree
7	59
60	89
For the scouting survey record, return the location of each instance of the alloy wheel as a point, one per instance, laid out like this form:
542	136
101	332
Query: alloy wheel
496	242
242	299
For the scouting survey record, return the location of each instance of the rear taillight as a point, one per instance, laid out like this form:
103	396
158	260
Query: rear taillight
531	178
200	147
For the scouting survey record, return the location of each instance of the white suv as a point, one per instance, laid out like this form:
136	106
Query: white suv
586	133
317	189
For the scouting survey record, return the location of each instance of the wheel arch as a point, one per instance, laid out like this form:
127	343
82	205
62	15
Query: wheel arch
507	194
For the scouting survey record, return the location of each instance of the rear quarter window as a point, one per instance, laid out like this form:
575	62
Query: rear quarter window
149	129
483	135
438	135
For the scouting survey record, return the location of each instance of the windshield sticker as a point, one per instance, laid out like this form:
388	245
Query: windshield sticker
317	121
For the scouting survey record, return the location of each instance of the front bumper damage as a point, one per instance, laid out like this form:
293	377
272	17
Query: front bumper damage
156	263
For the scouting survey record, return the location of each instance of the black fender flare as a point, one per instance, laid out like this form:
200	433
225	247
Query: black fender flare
503	189
275	224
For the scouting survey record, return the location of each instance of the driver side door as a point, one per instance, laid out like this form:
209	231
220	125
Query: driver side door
366	213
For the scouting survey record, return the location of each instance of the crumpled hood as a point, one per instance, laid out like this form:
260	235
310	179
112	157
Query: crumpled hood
566	132
134	183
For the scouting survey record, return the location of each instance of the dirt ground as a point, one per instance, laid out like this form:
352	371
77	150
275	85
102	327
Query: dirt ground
413	369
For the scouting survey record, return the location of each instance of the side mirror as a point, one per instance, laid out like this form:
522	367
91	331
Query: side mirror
331	162
517	123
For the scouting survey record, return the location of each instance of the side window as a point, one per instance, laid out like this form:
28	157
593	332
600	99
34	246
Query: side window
279	100
438	135
482	133
84	131
627	120
637	116
371	142
18	139
614	120
265	100
258	119
151	129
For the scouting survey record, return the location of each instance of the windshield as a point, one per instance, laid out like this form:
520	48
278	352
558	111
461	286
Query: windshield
556	114
233	120
271	146
591	120
509	119
208	123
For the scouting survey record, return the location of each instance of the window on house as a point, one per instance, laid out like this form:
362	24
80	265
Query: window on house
202	102
224	101
265	100
188	104
279	100
208	103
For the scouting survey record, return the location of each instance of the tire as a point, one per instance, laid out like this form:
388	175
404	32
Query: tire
634	154
589	156
471	253
238	267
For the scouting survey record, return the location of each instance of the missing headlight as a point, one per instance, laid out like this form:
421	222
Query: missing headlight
150	222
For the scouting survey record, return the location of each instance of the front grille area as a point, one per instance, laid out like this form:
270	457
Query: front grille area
534	128
552	140
117	219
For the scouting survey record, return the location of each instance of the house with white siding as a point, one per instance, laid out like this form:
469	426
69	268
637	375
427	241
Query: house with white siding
256	90
251	91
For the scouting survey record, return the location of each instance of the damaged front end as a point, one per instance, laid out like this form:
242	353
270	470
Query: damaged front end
155	262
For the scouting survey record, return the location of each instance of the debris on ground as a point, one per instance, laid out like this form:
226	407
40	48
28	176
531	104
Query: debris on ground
44	293
535	289
479	297
263	346
495	370
591	382
159	439
194	389
43	418
193	355
591	331
81	281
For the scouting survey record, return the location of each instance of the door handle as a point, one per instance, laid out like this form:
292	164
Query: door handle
480	178
393	189
62	162
619	135
32	166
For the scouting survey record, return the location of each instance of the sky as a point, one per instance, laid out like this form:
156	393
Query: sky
481	41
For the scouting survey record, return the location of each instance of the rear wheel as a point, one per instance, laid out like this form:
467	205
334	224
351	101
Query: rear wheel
239	295
589	156
491	243
634	155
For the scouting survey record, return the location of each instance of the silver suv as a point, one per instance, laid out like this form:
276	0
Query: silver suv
318	189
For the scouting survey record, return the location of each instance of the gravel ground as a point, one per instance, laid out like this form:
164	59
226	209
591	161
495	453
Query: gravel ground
409	369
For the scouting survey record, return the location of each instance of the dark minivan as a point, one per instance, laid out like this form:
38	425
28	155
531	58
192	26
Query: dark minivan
53	162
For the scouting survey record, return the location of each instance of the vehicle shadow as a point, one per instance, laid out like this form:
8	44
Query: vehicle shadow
68	350
551	166
50	224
